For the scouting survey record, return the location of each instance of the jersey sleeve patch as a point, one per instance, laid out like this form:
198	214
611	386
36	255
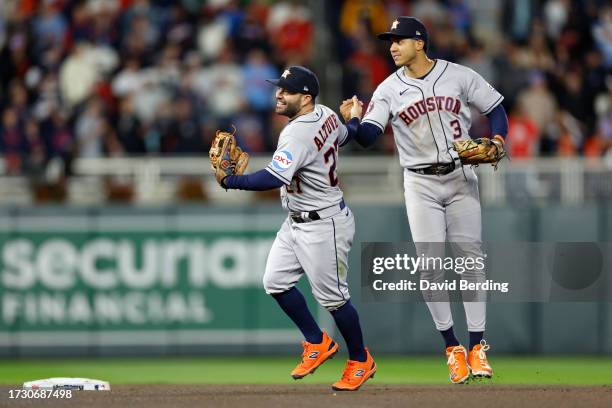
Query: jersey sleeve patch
282	160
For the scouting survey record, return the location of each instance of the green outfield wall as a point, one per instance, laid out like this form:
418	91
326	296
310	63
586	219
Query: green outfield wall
185	280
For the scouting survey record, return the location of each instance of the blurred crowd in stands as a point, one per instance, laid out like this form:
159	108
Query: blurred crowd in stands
551	59
108	78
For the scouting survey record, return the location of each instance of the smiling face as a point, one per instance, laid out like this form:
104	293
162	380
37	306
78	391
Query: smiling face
290	103
404	50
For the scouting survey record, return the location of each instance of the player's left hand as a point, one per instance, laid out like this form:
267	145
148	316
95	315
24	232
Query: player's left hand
481	150
226	158
496	148
351	108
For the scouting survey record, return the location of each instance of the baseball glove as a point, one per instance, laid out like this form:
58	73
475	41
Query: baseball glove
226	158
481	150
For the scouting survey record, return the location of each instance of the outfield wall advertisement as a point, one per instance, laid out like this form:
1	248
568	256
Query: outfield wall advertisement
137	280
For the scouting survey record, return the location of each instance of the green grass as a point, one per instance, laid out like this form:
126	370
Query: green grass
275	370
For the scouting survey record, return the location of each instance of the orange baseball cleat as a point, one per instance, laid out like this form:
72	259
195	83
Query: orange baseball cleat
355	374
477	360
458	369
313	356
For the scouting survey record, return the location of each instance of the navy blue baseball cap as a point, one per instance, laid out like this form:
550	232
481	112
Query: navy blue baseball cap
406	27
298	79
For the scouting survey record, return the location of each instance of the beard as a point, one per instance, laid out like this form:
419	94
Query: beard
289	110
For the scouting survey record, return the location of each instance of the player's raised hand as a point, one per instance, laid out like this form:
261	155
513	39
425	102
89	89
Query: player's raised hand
356	108
345	109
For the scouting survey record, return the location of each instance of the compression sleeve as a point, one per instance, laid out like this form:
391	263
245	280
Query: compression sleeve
259	181
364	133
498	121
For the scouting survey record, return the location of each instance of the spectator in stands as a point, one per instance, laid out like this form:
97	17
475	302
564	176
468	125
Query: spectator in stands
596	145
18	100
574	97
89	129
372	13
256	90
13	143
518	17
212	36
602	33
191	66
78	75
523	135
35	160
512	75
556	15
184	132
252	34
291	31
128	80
49	27
57	136
603	109
538	103
259	97
568	134
477	58
130	131
369	65
225	93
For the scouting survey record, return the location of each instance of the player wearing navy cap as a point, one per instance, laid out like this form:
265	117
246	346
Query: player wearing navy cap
428	104
317	235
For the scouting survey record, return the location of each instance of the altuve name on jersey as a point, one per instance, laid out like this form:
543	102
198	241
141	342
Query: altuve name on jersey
330	124
416	110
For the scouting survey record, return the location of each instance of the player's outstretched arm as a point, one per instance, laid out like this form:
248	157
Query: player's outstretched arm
365	134
261	180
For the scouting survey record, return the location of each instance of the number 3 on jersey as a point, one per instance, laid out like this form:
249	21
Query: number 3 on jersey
456	128
333	153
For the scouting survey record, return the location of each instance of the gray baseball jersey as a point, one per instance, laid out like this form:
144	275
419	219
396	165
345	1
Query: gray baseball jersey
306	160
428	114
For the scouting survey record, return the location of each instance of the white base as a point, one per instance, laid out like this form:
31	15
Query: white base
63	383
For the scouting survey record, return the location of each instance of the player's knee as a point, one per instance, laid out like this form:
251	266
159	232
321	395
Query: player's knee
332	305
273	286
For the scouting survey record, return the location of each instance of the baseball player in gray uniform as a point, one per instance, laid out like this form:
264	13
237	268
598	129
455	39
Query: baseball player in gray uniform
428	104
316	237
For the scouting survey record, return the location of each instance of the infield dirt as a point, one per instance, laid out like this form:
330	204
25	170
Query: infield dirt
308	396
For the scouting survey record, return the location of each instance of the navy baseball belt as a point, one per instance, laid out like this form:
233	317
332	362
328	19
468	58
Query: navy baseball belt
308	216
436	169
